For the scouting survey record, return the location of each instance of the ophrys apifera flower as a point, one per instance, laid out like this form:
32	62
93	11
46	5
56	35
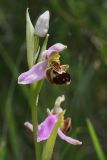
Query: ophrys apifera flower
49	67
45	128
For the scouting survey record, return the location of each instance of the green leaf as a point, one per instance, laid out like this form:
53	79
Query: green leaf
30	40
48	148
95	140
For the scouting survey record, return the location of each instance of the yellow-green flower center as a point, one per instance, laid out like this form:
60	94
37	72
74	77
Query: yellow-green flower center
54	58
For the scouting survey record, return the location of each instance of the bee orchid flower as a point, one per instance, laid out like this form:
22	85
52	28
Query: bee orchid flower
49	67
46	127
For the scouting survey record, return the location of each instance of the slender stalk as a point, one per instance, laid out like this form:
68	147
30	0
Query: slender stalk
35	122
35	90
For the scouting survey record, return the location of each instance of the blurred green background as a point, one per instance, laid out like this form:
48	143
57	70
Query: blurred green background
82	26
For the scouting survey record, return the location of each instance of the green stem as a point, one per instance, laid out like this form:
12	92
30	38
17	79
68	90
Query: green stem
35	122
35	90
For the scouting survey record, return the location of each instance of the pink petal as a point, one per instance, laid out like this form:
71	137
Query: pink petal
68	139
46	127
58	47
37	72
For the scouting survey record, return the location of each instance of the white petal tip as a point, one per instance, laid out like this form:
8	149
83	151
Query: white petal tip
79	143
46	13
29	126
19	82
48	35
26	124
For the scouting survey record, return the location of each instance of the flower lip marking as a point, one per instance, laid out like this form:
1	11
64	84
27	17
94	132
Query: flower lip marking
57	74
63	78
66	127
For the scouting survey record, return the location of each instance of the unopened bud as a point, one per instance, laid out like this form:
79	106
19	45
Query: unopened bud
42	24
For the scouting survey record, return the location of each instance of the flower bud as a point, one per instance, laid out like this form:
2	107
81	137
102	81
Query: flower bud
42	24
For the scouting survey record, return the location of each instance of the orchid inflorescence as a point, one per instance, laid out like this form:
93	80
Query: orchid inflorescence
47	65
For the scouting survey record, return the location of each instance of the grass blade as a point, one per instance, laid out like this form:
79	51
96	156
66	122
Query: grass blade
95	140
